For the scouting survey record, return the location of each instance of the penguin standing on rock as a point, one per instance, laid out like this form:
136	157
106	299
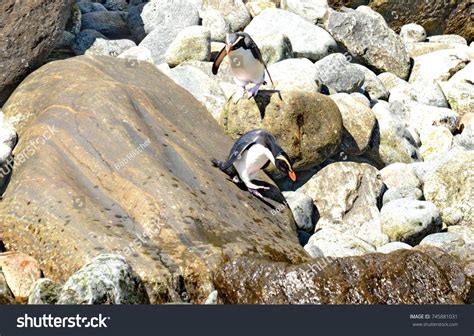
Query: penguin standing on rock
252	152
246	63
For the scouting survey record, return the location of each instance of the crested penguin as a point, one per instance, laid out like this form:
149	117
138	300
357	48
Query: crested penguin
246	63
250	153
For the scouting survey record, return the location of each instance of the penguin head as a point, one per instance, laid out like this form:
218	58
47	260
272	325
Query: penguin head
233	41
283	164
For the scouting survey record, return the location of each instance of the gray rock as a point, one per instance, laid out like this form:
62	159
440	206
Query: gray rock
352	205
307	40
296	74
84	40
390	80
74	23
411	193
452	244
330	242
275	48
115	5
111	24
399	175
359	123
436	142
66	40
312	10
451	188
393	246
109	47
201	86
428	92
256	8
365	34
438	65
337	73
447	38
460	90
466	138
138	54
107	279
372	84
217	25
234	11
192	44
413	32
302	207
88	7
44	291
409	221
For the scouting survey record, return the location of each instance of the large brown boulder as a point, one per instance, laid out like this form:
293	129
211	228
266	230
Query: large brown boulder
436	16
307	125
116	159
28	33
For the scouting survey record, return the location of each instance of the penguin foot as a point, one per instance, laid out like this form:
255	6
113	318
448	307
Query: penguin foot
238	95
255	193
253	91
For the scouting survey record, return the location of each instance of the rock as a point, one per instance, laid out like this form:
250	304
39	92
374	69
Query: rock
439	65
466	232
85	40
466	138
20	271
73	25
361	98
212	298
66	40
256	8
307	40
393	246
115	5
173	216
428	92
88	7
276	48
413	33
409	221
409	277
38	28
137	54
234	12
166	17
302	208
337	73
359	123
111	24
396	143
399	175
192	44
451	186
44	291
307	125
107	279
224	75
390	80
312	10
451	243
372	84
366	35
201	86
6	296
436	141
351	207
162	20
295	74
109	47
411	193
333	243
422	48
448	39
460	90
217	25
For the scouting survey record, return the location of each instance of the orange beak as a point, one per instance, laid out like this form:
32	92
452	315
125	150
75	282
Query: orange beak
292	175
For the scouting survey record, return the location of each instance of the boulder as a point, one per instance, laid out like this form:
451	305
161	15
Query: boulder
308	126
312	10
460	90
192	44
107	279
413	32
372	84
302	208
411	193
234	11
351	207
365	35
307	40
110	47
337	73
409	221
217	24
452	244
393	246
399	175
275	48
294	74
436	141
111	24
38	27
358	121
44	291
123	168
20	271
451	188
85	39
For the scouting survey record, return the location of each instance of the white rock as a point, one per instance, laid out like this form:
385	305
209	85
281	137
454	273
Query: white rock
234	11
217	25
413	32
140	54
256	8
436	141
312	10
392	194
372	84
447	38
393	246
301	206
109	47
399	175
192	44
294	74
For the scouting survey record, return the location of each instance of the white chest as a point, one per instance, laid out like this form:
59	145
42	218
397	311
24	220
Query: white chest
244	66
253	160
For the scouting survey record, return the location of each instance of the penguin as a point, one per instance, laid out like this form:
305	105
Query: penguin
254	151
246	63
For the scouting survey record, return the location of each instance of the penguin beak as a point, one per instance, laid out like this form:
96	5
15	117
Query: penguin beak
228	48
292	175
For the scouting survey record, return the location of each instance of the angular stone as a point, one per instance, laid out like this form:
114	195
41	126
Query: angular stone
20	271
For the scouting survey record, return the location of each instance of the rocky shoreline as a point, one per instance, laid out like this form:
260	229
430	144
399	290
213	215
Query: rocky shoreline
109	193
